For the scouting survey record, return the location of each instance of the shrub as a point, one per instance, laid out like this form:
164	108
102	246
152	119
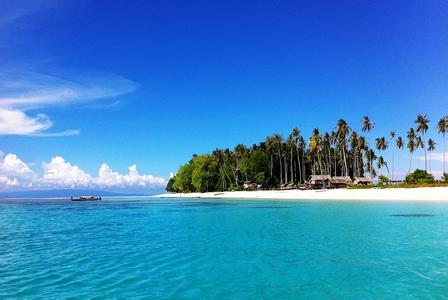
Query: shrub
419	177
169	186
445	177
383	179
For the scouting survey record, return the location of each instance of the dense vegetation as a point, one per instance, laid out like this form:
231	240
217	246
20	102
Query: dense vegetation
277	161
419	177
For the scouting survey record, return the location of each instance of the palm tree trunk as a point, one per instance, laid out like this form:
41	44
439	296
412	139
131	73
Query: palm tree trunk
300	163
304	165
291	167
370	160
393	161
424	148
281	167
345	161
429	161
444	154
335	163
410	164
319	161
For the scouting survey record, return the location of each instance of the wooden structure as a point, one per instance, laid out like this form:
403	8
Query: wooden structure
362	181
319	181
289	186
86	198
338	182
252	186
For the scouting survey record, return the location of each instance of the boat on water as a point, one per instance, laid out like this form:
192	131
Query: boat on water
86	198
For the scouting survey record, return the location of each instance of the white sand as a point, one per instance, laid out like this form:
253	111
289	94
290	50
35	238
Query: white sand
410	194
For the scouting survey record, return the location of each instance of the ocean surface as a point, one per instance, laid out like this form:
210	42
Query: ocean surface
218	249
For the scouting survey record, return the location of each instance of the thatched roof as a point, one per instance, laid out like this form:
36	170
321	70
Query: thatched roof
319	177
363	180
341	179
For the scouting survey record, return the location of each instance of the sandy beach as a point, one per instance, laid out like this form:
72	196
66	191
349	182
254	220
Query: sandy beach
395	194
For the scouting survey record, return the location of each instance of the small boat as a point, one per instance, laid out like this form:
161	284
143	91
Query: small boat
86	198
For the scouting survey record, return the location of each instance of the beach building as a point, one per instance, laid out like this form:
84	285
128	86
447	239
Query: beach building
252	186
339	182
319	181
362	181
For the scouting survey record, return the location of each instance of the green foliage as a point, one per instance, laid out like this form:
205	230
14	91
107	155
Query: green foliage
398	186
383	179
169	186
279	161
204	176
182	183
259	166
419	177
445	177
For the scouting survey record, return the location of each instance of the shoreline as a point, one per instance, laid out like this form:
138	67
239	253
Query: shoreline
395	194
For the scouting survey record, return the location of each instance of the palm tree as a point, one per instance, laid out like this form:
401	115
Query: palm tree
295	137
381	143
302	147
278	139
411	145
333	140
327	150
442	127
361	147
291	144
392	139
400	144
422	126
342	131
431	147
315	141
382	162
270	148
371	157
419	145
354	147
367	125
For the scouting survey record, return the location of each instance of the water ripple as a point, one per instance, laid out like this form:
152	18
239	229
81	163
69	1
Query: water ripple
217	249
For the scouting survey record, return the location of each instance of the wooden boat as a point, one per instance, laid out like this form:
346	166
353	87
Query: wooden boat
86	198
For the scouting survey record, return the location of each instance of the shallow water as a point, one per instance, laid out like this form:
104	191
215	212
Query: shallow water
178	248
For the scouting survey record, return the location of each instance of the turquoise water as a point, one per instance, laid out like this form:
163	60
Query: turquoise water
173	248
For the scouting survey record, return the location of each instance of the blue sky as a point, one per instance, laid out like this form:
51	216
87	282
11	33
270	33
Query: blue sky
152	82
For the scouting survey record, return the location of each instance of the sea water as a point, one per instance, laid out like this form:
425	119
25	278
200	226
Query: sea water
216	249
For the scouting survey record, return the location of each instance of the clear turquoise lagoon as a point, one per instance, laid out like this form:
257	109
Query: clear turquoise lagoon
216	249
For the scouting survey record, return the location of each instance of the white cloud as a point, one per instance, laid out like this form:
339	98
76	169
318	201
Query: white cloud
21	91
58	173
16	122
13	171
107	177
435	156
4	180
56	134
26	89
12	165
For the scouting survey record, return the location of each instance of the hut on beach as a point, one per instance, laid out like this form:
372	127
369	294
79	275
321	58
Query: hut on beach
289	186
252	186
338	182
362	181
319	181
